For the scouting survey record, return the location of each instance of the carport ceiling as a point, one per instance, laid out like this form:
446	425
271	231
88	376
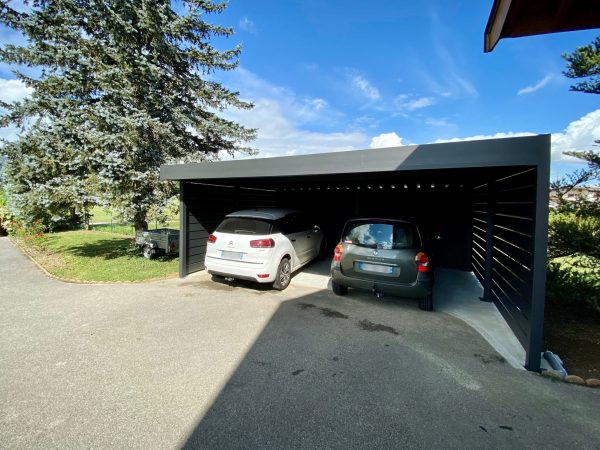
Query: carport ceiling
400	180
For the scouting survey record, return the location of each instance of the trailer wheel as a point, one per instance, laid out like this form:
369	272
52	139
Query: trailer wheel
148	252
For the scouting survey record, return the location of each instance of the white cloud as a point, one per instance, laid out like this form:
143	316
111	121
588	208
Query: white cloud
432	122
299	109
9	133
447	71
284	119
20	6
408	102
364	123
386	140
579	135
247	25
539	85
13	90
365	87
480	137
448	83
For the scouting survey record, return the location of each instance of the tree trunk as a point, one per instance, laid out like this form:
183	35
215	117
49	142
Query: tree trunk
139	222
86	220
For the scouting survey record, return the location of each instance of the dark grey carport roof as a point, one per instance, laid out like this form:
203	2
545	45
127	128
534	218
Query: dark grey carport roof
518	151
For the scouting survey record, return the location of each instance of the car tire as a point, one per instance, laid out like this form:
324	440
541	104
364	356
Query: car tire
322	249
148	252
426	303
338	289
284	274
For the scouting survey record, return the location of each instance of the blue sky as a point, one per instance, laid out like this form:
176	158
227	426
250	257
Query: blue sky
338	75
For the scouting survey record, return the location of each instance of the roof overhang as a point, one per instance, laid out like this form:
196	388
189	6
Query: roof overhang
517	18
518	151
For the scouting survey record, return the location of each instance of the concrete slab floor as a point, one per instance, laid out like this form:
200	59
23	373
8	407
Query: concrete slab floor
456	292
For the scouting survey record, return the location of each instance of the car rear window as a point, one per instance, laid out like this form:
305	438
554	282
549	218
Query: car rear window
242	225
380	234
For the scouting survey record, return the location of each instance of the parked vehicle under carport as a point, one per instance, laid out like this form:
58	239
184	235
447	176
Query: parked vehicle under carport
383	256
265	245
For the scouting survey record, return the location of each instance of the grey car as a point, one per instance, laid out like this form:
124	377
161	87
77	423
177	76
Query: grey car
383	256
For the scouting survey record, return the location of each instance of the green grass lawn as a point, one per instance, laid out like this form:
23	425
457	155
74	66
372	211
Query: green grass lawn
109	223
100	214
97	256
128	230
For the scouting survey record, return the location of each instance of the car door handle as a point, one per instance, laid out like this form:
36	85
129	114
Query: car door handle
293	240
308	236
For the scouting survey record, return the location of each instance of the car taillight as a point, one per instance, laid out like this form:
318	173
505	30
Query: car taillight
422	261
337	253
262	243
212	239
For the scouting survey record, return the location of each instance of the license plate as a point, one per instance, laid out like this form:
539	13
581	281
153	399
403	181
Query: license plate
238	256
376	268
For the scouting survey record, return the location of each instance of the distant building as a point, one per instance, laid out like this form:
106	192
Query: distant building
586	193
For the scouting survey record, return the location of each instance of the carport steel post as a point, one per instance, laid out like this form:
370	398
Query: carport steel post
206	188
538	292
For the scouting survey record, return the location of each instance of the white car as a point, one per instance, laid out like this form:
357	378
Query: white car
265	245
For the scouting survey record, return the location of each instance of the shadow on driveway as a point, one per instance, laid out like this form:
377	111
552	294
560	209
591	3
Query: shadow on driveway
358	373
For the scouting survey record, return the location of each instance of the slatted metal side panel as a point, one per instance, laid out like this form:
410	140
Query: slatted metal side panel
513	245
504	223
480	224
207	205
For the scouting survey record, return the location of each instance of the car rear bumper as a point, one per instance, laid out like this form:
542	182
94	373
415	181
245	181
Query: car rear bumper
421	288
235	269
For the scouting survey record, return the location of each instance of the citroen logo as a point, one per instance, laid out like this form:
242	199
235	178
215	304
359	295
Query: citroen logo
375	253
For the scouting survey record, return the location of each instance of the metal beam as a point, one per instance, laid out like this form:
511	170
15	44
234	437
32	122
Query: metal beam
521	151
489	244
183	231
538	292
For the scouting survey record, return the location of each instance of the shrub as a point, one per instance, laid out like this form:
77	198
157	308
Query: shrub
4	215
571	234
567	284
27	230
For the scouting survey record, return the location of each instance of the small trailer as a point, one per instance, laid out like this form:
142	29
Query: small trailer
160	241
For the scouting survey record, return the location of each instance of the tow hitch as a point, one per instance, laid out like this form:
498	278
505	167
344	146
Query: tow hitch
376	293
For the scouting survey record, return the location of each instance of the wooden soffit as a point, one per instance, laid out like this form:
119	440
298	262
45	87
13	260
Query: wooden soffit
517	18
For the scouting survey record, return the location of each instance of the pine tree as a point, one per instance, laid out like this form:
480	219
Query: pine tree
129	82
574	228
584	62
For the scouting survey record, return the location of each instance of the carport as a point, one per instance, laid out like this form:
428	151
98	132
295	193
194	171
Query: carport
487	199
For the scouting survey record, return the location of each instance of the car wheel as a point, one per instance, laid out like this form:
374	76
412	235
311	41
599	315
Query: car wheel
338	289
322	249
284	275
426	303
148	252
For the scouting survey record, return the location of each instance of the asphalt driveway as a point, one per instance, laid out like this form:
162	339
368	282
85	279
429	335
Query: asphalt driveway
195	363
